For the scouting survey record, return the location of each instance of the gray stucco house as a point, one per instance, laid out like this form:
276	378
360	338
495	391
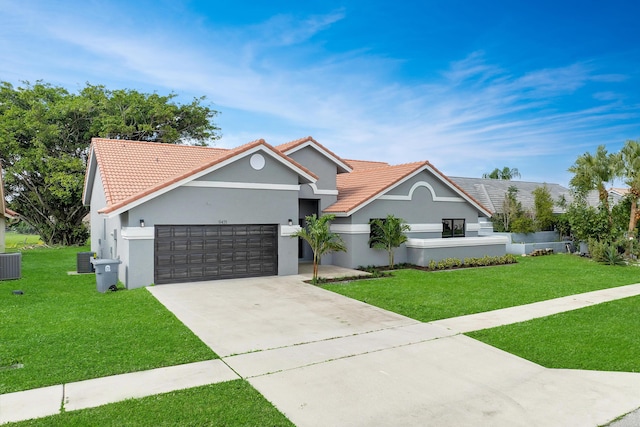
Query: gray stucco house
175	213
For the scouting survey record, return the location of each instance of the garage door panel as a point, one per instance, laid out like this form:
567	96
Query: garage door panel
186	253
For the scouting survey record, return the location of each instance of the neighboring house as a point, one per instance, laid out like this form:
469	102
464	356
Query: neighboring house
492	192
176	213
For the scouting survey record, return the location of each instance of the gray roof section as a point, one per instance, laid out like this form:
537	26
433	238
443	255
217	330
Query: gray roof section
491	192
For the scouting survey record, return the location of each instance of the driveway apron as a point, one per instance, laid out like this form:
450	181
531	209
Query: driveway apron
324	359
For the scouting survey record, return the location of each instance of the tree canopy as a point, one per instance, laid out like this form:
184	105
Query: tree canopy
45	133
594	172
388	234
321	239
505	173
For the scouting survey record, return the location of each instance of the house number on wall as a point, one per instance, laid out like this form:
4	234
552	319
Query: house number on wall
222	221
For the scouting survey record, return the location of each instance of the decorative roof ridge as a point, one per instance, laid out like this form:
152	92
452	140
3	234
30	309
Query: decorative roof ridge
165	144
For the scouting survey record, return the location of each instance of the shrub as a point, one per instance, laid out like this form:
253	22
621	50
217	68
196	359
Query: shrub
597	249
612	256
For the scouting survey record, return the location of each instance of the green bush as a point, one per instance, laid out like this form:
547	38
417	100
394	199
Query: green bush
607	253
597	249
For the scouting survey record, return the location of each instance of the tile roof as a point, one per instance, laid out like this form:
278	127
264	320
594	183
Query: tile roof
491	192
131	170
362	185
365	164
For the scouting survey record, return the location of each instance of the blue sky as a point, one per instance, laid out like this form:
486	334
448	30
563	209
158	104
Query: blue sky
467	85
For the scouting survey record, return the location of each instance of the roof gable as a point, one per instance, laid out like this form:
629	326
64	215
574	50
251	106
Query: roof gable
293	146
362	186
133	172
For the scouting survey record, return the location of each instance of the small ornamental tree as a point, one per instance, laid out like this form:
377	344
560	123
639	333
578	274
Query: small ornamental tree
388	234
322	241
543	203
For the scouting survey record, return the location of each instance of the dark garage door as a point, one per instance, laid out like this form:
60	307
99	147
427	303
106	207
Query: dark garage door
190	253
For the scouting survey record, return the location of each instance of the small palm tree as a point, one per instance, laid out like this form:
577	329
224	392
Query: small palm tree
389	234
322	241
506	174
594	172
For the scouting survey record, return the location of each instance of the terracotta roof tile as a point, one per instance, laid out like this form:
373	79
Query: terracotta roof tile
360	186
371	179
365	164
131	167
131	170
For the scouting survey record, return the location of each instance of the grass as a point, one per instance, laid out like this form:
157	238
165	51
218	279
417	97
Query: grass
428	296
62	330
602	337
15	240
233	403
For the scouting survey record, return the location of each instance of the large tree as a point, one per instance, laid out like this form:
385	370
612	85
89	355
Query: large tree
629	170
45	133
594	172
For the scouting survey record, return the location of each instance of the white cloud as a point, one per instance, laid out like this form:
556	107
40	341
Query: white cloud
476	115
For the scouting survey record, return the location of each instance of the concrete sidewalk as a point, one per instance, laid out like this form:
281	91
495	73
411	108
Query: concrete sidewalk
41	402
324	359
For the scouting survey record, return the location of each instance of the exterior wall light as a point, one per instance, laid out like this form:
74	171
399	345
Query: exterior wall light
290	221
141	223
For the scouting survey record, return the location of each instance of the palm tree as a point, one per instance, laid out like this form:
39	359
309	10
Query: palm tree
594	173
506	174
629	170
389	234
322	241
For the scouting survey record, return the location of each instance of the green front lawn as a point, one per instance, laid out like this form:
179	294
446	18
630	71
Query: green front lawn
14	241
428	296
62	330
602	337
233	403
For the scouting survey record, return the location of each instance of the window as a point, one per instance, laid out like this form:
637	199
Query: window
453	228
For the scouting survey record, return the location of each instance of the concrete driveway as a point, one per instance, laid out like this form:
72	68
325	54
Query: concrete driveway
324	359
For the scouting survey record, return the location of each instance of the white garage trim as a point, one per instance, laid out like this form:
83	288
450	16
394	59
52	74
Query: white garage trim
138	233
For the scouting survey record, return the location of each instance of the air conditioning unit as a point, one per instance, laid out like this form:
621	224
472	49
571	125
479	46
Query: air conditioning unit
83	262
10	266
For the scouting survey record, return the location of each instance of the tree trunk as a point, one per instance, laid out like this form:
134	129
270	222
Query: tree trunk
632	217
315	269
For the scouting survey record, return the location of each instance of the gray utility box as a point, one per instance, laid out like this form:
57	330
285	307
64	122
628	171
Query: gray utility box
10	266
83	262
106	273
